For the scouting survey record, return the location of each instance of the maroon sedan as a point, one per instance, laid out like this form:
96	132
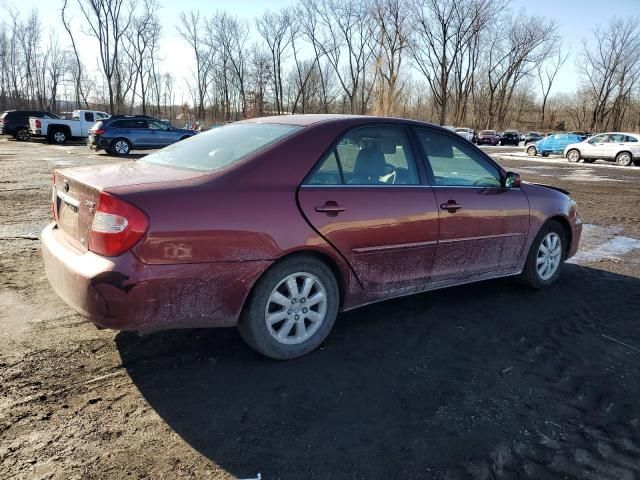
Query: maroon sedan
277	224
488	137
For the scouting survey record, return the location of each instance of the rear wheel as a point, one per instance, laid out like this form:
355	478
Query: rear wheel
546	257
624	159
292	308
120	147
58	137
573	156
531	151
22	135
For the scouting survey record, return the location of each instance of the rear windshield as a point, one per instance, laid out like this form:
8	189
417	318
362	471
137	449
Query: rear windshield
220	147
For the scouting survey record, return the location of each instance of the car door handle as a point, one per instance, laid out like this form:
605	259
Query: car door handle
451	206
330	207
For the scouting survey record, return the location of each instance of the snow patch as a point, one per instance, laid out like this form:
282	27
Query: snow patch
603	243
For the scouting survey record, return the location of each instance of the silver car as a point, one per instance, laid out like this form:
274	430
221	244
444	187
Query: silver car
623	148
466	133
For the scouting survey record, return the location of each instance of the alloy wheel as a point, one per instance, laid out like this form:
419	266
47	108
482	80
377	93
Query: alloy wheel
122	147
59	137
624	159
296	308
549	255
573	156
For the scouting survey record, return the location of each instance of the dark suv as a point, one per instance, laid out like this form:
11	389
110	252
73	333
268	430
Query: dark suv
16	122
119	134
509	137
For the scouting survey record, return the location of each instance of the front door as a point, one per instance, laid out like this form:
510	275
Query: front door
483	226
366	199
594	147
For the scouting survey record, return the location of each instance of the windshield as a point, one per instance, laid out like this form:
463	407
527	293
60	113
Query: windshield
220	147
462	130
488	132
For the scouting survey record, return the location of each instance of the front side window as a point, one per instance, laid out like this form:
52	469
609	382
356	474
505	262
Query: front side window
598	139
369	156
455	163
221	147
153	125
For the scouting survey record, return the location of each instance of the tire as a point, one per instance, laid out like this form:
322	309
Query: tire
22	135
531	151
58	136
120	147
573	156
253	325
539	277
624	159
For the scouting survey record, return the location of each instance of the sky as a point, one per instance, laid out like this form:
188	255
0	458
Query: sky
576	20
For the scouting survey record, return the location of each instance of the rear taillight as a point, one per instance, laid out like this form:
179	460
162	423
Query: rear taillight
38	123
117	226
98	131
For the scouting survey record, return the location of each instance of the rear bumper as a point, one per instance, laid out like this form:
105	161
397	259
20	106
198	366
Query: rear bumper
122	293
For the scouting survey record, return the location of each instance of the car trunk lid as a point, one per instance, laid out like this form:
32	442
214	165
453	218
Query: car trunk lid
76	191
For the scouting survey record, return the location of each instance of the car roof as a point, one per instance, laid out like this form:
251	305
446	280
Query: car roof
314	119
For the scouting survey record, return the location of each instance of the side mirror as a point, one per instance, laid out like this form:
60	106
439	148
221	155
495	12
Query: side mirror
511	180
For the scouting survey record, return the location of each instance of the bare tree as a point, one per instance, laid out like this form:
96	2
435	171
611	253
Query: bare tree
274	29
546	74
610	71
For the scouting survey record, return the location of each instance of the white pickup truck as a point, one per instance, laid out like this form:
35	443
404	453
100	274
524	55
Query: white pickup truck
59	131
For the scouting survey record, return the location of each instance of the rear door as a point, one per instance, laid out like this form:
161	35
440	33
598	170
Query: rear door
613	146
483	226
365	197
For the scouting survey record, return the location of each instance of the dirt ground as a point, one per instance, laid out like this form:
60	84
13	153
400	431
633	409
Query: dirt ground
483	381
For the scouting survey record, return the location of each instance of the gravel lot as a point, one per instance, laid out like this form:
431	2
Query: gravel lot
482	381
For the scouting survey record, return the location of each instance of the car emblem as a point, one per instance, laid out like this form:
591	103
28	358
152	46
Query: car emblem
65	186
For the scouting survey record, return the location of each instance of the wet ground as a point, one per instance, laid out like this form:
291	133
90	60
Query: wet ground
483	381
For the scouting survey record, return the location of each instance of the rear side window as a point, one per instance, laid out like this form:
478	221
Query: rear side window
88	116
456	163
368	156
631	139
221	147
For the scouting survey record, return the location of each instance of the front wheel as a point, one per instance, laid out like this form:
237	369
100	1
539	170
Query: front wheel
292	308
531	151
573	156
546	256
624	159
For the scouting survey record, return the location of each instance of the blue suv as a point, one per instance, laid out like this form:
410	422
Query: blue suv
119	134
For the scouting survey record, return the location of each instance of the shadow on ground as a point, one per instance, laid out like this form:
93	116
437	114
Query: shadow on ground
483	380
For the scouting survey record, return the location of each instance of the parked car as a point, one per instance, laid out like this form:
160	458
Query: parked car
551	144
531	137
119	134
264	224
16	122
509	137
623	148
59	131
487	137
582	135
466	133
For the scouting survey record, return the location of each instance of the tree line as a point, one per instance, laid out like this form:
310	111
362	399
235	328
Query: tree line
474	63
